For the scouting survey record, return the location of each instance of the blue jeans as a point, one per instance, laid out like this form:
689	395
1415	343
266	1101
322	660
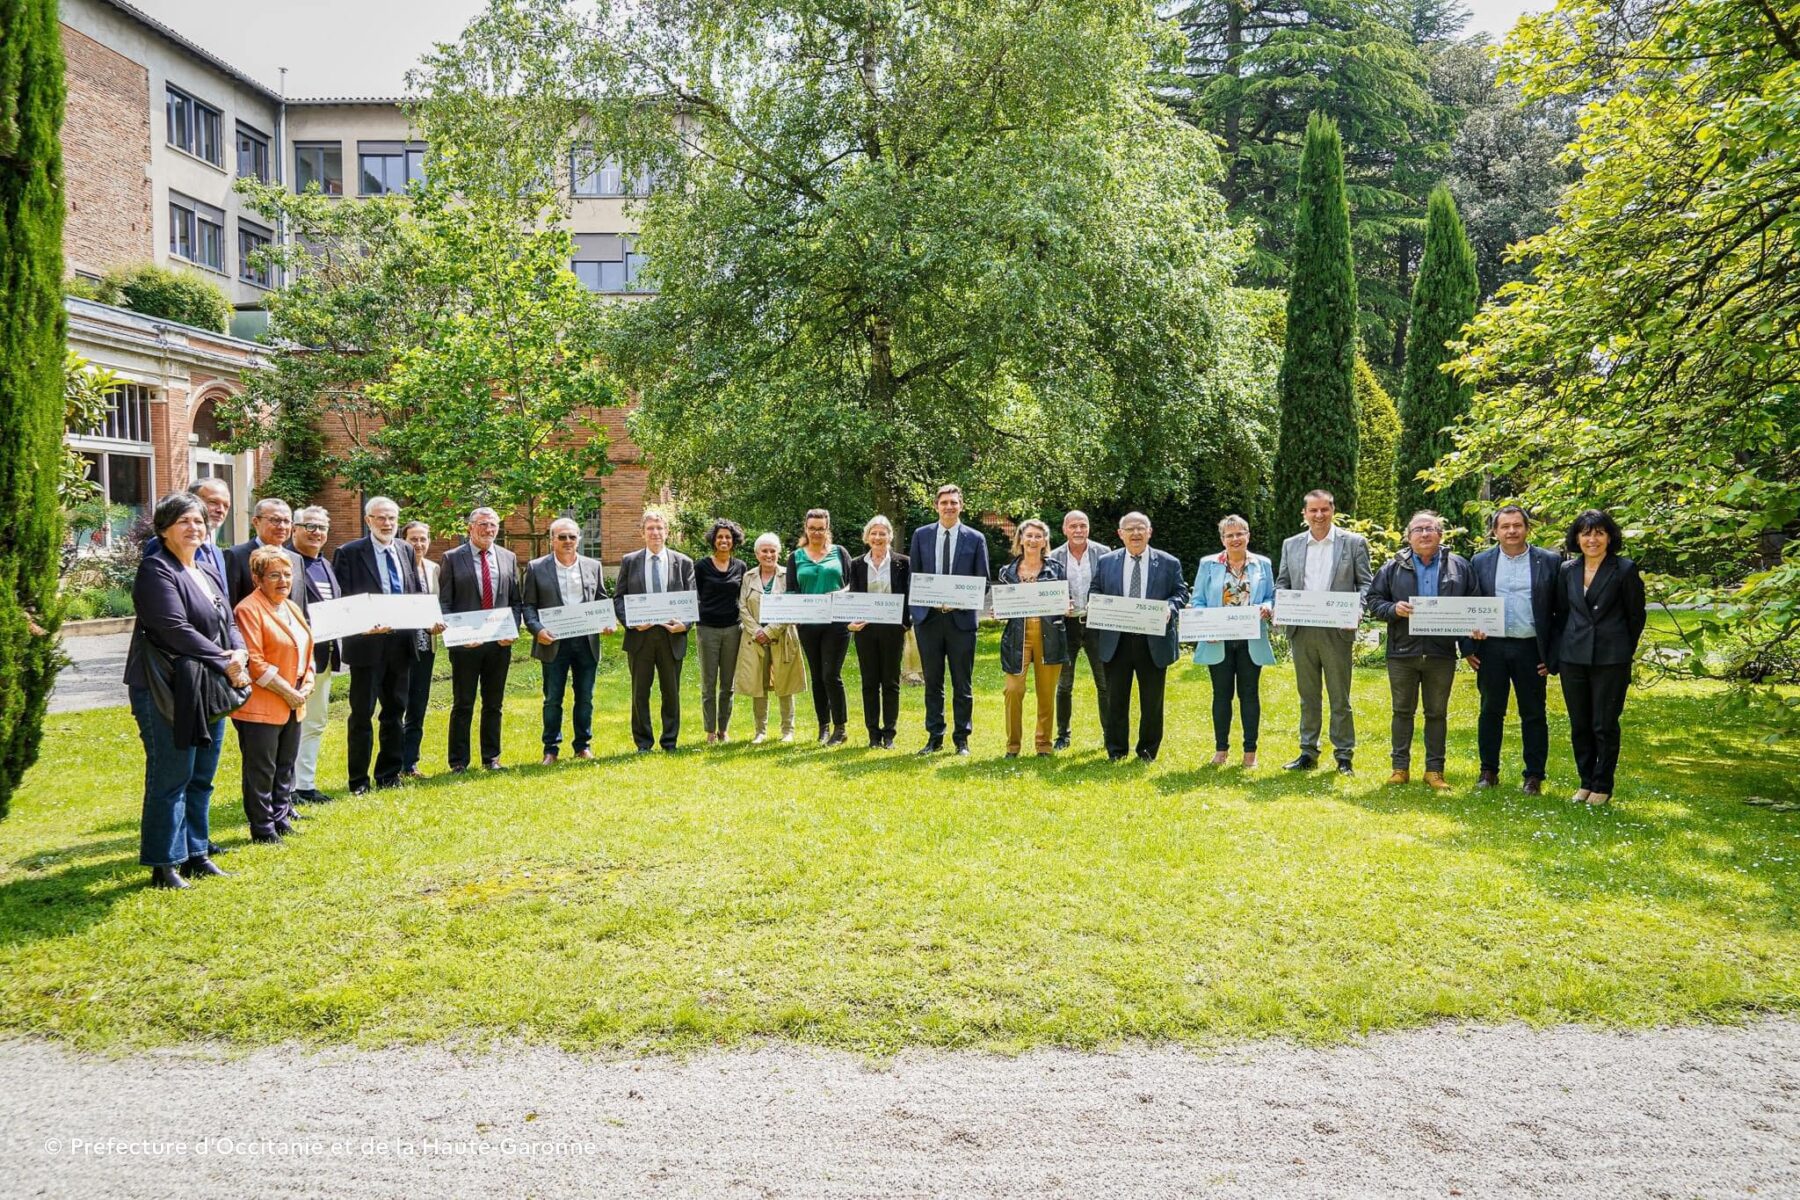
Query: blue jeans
573	655
178	787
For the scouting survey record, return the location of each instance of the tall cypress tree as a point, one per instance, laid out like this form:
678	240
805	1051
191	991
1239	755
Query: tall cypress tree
1443	302
31	372
1318	360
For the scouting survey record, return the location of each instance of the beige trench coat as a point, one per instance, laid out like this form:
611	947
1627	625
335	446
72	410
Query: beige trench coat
780	666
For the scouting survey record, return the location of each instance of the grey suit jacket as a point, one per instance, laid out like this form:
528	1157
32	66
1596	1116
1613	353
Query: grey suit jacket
633	581
1350	571
1095	553
543	590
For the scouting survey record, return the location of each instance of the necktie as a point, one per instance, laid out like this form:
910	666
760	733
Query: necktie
1137	577
655	573
944	562
487	583
393	572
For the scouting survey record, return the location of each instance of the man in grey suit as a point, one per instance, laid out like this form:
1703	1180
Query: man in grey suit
564	576
1078	557
1323	558
654	652
477	576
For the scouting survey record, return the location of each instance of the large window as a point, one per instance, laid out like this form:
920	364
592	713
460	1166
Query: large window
388	168
194	127
250	240
196	232
594	176
607	262
321	165
252	154
118	453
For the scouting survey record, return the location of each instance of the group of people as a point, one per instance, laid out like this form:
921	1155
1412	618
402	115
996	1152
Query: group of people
225	632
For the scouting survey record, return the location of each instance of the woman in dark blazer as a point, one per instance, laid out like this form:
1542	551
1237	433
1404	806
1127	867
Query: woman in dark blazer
182	613
879	648
1037	647
1598	612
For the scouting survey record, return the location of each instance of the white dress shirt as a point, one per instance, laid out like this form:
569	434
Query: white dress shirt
568	581
1321	555
881	575
1081	576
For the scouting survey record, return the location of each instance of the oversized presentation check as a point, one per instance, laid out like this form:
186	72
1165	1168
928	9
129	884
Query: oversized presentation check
1323	610
949	591
662	608
872	608
350	615
578	620
1221	623
1049	598
1127	615
1457	616
797	608
480	627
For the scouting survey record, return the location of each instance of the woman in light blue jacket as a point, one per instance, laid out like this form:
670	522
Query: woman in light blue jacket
1231	577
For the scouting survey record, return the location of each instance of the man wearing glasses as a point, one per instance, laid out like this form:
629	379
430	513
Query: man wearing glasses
273	522
564	576
315	581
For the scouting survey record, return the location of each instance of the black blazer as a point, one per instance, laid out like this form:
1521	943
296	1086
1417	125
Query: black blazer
1601	626
360	575
634	580
459	580
899	577
237	572
1544	566
207	560
325	654
176	613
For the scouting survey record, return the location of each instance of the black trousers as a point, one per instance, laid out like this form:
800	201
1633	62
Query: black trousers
1595	696
418	699
385	682
1065	682
1131	661
1236	671
269	753
825	647
1508	666
878	652
654	661
942	644
475	669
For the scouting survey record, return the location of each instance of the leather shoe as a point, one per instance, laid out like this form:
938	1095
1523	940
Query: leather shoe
1533	786
1012	754
1146	756
1344	767
1400	777
1487	779
962	750
584	756
414	773
549	761
1436	782
1061	743
887	741
215	848
1117	757
195	867
266	839
493	764
167	877
837	737
1305	762
934	746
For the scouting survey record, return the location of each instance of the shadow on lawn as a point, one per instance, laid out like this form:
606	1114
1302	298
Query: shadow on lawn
57	903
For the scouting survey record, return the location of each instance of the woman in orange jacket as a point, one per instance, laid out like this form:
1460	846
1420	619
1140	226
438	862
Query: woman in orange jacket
281	676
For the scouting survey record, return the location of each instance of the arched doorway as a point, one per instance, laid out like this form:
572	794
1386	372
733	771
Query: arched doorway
208	462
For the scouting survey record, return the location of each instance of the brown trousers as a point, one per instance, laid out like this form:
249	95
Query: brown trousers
1044	676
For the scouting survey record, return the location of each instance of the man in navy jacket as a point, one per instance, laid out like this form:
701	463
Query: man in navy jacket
946	636
1140	572
1524	576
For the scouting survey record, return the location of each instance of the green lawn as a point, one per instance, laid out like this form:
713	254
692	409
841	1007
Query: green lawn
870	900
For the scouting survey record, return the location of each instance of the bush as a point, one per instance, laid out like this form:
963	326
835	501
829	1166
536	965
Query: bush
172	295
1378	422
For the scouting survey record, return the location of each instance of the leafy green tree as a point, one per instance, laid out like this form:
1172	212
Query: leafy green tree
1649	365
893	244
32	327
1377	440
1317	385
1433	400
87	399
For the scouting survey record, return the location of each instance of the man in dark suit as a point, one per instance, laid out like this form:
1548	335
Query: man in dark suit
1140	572
564	576
1524	577
380	661
314	582
273	523
479	576
1078	557
654	652
946	636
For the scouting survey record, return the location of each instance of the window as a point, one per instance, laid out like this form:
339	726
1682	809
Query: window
129	418
607	262
196	232
250	240
591	176
252	154
321	165
388	168
194	127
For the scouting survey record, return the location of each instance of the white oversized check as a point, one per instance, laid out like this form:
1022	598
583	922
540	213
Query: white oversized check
1323	610
1127	615
480	627
578	620
662	608
1221	623
873	608
1457	616
410	611
797	608
1049	598
350	615
948	591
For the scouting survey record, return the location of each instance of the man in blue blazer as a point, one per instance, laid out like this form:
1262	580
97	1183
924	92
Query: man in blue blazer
1140	572
1524	576
947	635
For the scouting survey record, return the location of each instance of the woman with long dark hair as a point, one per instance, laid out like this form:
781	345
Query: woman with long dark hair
1598	610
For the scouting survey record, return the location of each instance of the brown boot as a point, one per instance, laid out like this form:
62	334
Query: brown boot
1487	779
1400	775
1436	782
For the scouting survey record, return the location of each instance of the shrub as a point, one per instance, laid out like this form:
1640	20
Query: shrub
170	294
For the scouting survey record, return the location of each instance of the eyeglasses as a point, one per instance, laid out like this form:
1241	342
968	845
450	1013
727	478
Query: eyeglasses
311	527
1424	529
568	537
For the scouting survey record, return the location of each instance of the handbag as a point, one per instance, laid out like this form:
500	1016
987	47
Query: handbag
218	696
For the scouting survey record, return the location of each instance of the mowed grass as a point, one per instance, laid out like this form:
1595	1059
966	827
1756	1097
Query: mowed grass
873	901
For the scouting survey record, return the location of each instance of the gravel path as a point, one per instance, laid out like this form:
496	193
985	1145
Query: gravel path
1451	1111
